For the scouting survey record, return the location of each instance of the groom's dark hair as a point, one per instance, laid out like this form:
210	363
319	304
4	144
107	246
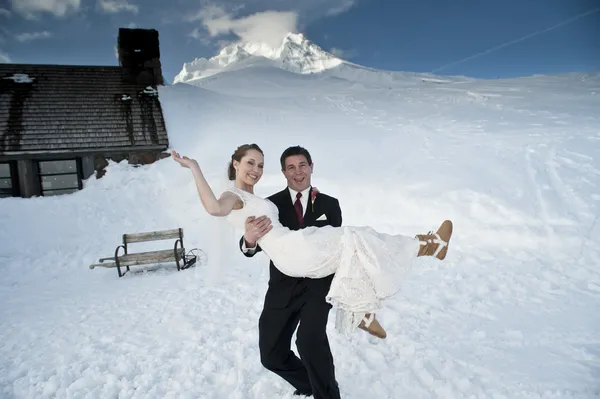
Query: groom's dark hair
295	150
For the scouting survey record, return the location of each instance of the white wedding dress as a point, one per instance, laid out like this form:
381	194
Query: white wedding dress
368	265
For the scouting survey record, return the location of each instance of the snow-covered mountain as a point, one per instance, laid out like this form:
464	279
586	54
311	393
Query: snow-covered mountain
296	54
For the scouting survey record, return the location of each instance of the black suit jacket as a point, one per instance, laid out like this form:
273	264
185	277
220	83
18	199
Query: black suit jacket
282	286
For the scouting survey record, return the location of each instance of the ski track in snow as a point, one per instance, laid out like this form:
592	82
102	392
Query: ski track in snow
511	313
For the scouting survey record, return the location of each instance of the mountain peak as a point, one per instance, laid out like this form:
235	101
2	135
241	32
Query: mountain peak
297	38
296	54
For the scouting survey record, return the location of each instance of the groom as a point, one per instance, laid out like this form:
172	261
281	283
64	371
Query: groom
296	302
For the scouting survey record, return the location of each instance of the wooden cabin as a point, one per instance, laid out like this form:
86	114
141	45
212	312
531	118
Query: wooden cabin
60	124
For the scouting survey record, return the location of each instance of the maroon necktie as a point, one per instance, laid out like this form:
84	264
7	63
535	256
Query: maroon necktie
298	207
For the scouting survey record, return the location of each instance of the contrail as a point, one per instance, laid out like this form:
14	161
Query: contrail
539	32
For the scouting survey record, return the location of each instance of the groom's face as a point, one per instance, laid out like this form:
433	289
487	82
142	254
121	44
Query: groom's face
297	172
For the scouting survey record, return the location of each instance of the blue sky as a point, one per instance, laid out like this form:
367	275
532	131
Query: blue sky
478	38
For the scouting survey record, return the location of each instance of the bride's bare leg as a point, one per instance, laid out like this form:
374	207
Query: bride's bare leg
436	244
372	326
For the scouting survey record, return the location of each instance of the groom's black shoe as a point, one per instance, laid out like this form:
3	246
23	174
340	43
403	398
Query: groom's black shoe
298	393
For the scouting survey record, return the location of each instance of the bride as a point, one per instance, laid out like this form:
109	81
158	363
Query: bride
368	265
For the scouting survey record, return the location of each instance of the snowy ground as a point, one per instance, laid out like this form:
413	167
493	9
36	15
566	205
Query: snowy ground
512	312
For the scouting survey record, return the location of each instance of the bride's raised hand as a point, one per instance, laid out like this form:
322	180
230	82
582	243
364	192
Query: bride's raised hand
183	161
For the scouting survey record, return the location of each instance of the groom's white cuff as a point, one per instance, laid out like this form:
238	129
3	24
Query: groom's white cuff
247	250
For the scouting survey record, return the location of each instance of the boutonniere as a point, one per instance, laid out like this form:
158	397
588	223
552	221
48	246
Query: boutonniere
313	195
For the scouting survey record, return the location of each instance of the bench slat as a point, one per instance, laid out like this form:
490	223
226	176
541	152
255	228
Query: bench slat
152	236
143	258
148	257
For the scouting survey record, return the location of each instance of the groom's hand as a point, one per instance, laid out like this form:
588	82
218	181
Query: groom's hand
256	228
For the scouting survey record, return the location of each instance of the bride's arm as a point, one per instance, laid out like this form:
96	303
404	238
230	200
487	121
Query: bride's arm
214	206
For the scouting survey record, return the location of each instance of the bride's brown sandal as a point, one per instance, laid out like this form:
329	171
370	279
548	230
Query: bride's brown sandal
436	244
372	326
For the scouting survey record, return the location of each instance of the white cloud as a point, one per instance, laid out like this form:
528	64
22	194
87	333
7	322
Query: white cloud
205	39
196	34
116	6
4	58
200	36
211	11
29	8
280	17
5	13
26	37
268	27
342	7
344	54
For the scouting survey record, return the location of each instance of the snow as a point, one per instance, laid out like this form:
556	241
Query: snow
511	313
20	78
150	91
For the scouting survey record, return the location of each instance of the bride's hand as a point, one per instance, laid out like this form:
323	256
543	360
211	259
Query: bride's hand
184	161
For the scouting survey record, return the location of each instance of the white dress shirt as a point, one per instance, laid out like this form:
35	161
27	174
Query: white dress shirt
303	199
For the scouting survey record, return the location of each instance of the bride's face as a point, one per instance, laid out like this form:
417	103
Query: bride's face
250	169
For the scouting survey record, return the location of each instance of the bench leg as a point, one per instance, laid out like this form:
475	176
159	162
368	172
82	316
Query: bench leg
118	263
177	259
121	274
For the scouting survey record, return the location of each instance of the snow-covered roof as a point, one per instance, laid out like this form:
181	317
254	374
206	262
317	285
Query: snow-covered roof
63	107
20	78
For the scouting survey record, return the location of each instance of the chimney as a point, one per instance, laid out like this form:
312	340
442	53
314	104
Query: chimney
139	56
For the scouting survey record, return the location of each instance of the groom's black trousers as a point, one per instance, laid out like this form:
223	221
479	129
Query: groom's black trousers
308	311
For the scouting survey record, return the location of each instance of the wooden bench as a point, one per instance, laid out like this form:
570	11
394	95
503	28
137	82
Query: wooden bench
128	259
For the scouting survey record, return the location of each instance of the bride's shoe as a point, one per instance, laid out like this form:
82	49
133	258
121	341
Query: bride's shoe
436	244
372	326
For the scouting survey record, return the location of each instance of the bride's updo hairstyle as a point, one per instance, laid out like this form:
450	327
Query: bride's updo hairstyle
238	154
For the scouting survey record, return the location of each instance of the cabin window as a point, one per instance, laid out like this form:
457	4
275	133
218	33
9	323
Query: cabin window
60	176
9	184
